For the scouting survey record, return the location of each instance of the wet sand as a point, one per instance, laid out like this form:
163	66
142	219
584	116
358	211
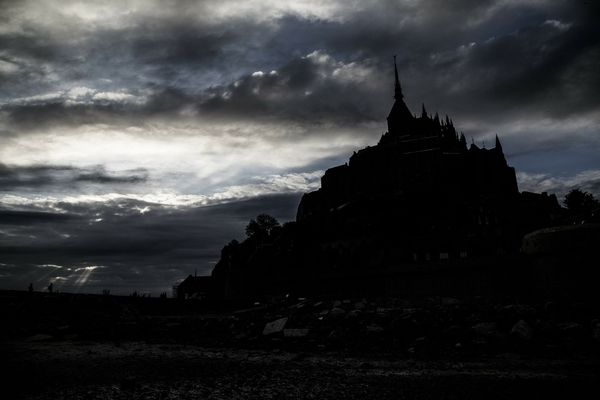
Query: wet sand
138	370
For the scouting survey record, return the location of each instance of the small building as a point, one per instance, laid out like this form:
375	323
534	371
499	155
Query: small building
194	287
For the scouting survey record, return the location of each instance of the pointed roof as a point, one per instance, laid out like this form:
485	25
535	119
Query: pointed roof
463	140
498	145
400	117
397	88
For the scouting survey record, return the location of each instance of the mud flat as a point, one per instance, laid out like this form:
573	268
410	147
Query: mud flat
136	370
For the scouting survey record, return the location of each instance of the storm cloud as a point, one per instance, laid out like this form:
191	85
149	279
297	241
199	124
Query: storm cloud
137	137
136	245
38	176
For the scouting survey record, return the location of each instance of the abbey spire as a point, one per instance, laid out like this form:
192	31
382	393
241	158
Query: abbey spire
397	88
400	118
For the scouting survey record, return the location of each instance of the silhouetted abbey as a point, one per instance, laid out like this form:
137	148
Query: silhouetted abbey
418	210
447	200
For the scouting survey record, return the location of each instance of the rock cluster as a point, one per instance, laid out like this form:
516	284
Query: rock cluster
432	327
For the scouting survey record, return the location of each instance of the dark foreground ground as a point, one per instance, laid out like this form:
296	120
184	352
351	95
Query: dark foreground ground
106	347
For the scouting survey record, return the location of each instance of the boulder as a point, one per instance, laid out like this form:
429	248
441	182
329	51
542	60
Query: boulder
337	312
275	326
449	301
485	329
374	329
295	333
522	330
40	337
361	305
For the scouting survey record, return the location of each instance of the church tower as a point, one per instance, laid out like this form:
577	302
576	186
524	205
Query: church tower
400	118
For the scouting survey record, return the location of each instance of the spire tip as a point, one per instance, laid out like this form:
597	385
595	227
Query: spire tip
397	88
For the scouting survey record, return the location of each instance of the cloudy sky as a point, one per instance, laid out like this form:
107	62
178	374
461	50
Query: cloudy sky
138	137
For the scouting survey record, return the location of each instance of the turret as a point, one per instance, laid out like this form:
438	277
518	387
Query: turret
463	140
498	146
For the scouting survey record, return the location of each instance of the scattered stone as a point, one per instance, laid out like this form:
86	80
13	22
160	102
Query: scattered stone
596	331
337	312
300	305
456	333
571	329
275	326
450	301
550	308
374	329
295	333
361	305
334	334
519	310
485	329
129	383
522	330
250	310
40	337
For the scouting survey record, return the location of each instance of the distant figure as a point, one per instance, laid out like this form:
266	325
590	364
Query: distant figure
50	287
30	288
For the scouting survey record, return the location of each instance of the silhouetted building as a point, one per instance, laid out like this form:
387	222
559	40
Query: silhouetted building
445	199
419	201
195	287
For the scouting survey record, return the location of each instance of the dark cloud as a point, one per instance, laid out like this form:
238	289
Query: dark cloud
17	217
126	237
38	176
529	68
544	65
560	185
310	88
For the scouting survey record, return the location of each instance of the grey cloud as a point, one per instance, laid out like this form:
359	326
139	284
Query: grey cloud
161	241
100	176
29	217
533	61
176	60
527	68
309	88
304	89
38	176
588	181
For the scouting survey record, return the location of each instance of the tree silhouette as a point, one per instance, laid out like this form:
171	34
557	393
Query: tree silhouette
263	225
578	201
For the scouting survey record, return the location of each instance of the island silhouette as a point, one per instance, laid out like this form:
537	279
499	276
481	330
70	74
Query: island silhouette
420	213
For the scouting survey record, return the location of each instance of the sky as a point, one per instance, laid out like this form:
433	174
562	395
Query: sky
138	137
